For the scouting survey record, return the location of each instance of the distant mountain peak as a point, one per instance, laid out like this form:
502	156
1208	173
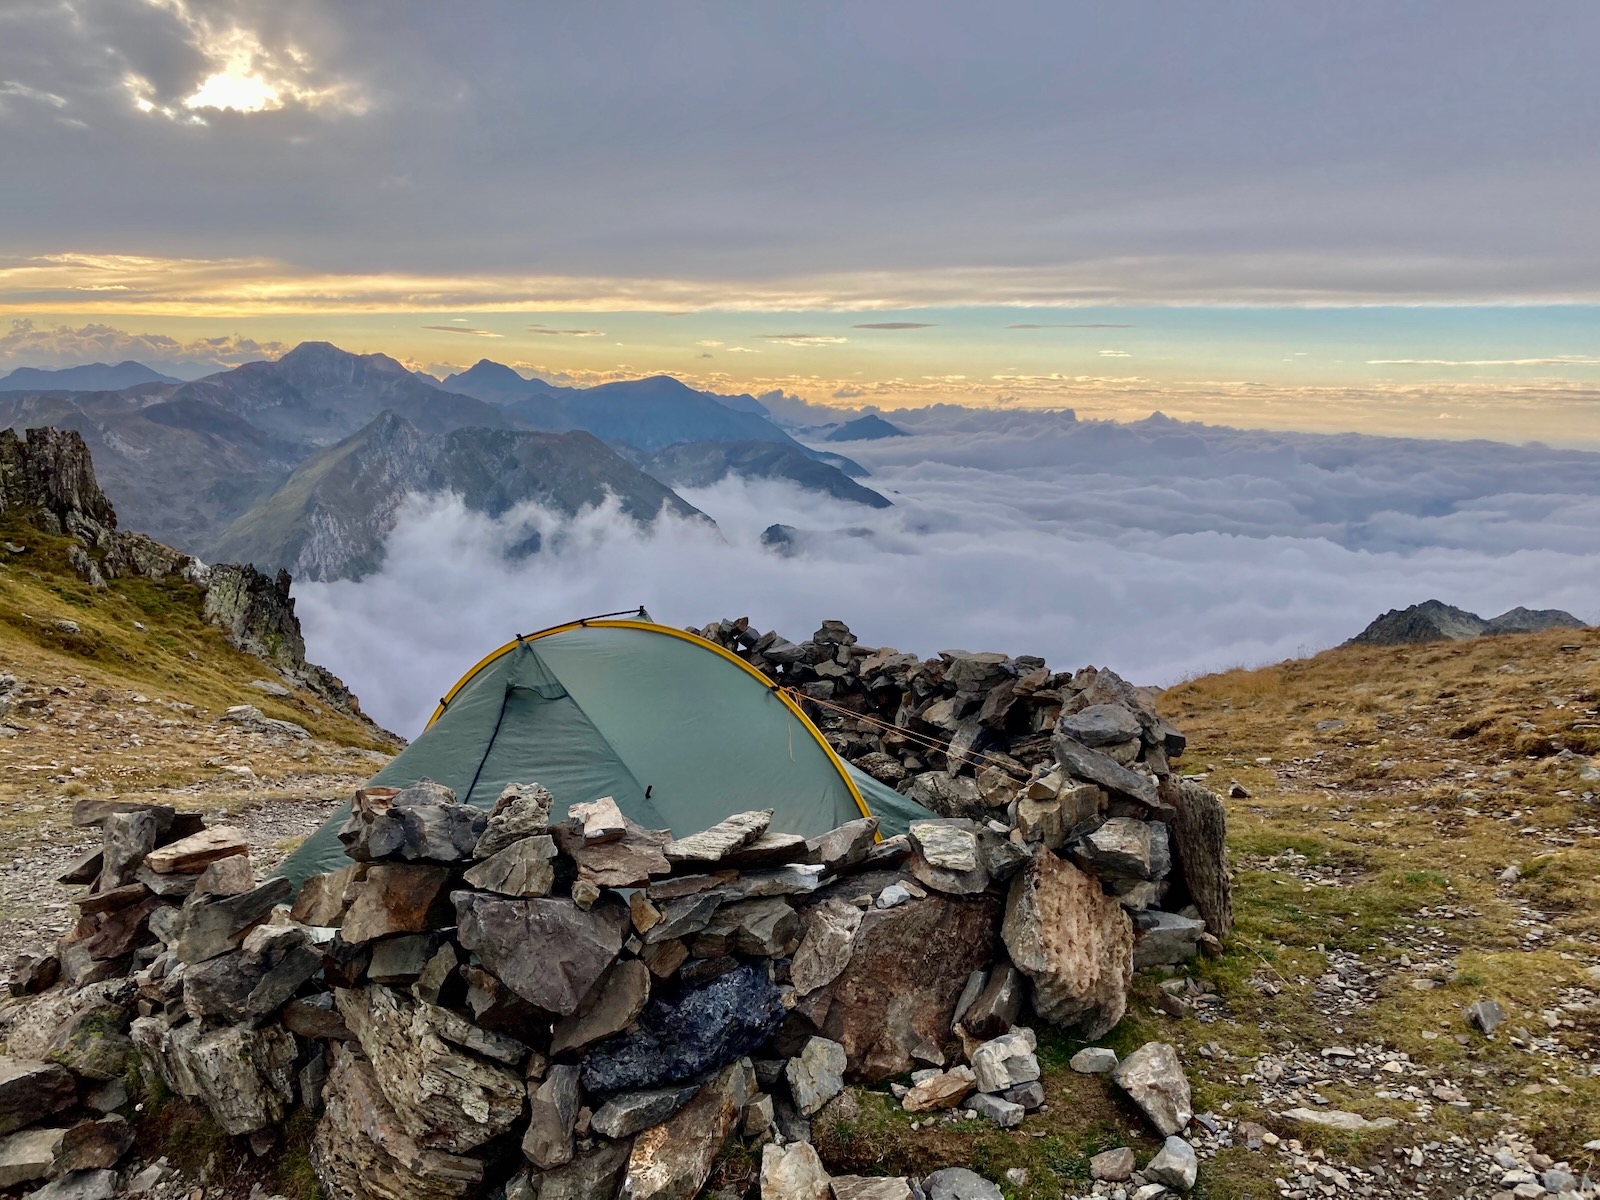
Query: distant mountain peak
87	377
866	428
1436	621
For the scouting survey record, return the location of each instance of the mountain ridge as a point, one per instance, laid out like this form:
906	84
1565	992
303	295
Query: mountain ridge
1436	621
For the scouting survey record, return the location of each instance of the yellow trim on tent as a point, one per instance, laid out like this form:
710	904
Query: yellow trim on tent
696	639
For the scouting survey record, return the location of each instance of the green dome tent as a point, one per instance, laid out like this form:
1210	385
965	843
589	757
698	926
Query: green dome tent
680	732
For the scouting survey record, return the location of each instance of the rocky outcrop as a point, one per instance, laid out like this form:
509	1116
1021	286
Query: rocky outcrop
1436	621
48	479
47	474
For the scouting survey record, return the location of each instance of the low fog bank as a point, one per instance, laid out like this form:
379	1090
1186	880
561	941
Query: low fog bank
1158	559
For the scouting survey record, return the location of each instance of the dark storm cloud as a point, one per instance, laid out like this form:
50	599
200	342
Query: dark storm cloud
1034	151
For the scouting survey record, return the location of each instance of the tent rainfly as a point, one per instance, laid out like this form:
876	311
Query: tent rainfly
677	730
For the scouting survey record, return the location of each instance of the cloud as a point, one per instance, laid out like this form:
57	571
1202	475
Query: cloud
548	332
1115	354
10	87
804	339
848	393
29	344
895	325
1088	325
1570	360
463	329
1159	548
711	342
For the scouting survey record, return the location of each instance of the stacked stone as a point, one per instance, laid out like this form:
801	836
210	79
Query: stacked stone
157	875
1080	763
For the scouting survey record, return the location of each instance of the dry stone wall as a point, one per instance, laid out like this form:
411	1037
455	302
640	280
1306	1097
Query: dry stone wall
532	1003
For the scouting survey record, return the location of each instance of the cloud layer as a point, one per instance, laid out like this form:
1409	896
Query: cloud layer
1162	550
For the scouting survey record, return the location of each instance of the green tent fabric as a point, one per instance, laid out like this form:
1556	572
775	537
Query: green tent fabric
677	730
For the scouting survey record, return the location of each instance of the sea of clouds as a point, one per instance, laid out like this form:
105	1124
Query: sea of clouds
1158	548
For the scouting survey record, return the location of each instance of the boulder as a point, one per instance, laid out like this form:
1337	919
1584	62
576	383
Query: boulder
1005	1062
1073	942
1005	1113
522	811
1174	1165
524	868
250	984
126	839
871	1187
245	1077
1100	725
676	1040
323	899
217	925
93	1145
948	795
844	847
31	1090
547	951
598	820
1125	847
906	970
1154	1080
712	845
554	1103
1165	938
230	876
941	1090
672	1161
93	1042
1094	1060
1113	1166
948	856
958	1183
443	1098
361	1150
763	928
193	854
1092	766
995	1009
825	950
683	916
793	1172
28	1156
628	861
594	1174
624	1115
79	1185
615	1003
816	1074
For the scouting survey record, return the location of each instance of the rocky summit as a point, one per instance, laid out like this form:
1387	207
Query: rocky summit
1435	621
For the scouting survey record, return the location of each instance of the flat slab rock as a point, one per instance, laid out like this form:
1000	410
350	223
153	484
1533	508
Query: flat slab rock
722	839
1333	1118
31	1090
194	854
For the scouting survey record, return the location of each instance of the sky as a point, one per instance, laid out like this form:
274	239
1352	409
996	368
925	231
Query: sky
1371	216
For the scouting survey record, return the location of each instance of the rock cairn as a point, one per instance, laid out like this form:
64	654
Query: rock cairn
1078	761
565	1004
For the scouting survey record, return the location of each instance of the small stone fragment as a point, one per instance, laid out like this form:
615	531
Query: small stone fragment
524	868
1113	1166
1093	1060
599	820
958	1183
941	1090
522	811
1174	1165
